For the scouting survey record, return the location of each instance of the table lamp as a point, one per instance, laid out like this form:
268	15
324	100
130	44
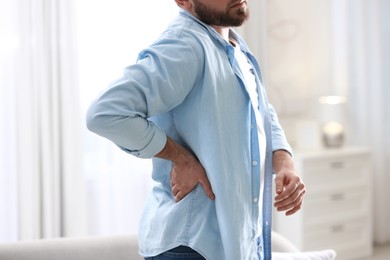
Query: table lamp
332	119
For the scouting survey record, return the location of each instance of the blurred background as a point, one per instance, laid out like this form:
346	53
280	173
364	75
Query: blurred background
57	179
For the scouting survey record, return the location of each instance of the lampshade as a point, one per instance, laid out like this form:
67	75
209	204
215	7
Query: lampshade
332	108
332	120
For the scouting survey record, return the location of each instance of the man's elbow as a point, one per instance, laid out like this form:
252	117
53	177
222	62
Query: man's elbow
94	120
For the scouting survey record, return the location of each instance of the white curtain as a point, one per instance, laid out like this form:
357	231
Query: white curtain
368	80
41	181
8	198
110	36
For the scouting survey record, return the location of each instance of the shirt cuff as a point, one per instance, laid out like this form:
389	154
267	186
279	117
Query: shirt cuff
281	145
156	144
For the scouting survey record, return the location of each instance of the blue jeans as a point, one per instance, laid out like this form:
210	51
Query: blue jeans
178	253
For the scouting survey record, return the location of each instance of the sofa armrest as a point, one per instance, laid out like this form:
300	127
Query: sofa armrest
89	248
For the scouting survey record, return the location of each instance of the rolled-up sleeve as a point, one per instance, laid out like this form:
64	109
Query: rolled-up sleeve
160	80
279	140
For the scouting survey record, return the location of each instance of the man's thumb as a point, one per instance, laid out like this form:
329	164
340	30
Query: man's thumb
278	185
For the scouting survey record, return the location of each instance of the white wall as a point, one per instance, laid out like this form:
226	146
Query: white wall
293	42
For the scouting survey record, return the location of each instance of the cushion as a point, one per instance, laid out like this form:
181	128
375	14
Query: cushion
328	254
282	244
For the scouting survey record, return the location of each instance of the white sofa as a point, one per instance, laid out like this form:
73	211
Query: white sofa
119	248
89	248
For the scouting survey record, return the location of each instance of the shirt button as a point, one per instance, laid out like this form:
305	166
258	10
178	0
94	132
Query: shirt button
251	125
255	200
254	163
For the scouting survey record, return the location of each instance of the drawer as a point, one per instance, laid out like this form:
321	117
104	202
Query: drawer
337	234
332	172
336	203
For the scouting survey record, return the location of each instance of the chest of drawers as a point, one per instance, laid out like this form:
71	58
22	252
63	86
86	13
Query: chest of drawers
337	211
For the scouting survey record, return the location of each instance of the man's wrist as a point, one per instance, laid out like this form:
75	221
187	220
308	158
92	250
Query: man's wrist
174	152
282	160
282	152
169	152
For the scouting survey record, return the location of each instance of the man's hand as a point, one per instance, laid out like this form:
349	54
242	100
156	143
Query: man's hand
290	189
186	172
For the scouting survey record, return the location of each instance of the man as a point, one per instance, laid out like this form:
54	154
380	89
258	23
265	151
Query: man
194	102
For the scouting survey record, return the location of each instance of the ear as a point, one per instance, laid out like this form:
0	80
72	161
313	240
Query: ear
185	4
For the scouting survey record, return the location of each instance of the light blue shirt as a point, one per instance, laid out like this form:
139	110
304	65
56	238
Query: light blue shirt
187	85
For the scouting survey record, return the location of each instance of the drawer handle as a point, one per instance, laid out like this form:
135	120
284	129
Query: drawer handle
337	165
337	228
337	196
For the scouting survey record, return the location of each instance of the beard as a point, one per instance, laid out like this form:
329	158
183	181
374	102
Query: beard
228	18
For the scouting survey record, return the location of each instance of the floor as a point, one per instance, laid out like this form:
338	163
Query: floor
380	253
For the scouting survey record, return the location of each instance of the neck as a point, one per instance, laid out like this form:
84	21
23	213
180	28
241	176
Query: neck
223	31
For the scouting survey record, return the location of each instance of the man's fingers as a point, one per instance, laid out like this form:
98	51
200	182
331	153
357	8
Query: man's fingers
174	190
292	203
290	195
290	189
297	207
207	187
179	196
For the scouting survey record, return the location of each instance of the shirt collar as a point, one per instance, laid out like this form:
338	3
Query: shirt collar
232	33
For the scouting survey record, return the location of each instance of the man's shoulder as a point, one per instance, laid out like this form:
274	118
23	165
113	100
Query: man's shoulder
183	33
185	28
